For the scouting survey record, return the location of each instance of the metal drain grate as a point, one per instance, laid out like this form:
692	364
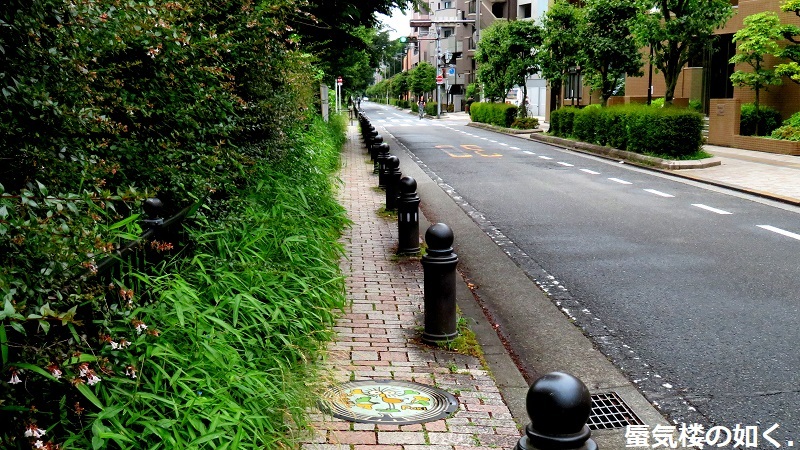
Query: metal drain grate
609	411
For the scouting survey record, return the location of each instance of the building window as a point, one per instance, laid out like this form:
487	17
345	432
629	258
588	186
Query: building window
525	11
447	32
499	10
448	5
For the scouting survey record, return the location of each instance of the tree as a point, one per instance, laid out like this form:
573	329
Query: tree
757	39
792	49
561	45
525	38
422	78
493	62
677	30
400	84
506	57
611	54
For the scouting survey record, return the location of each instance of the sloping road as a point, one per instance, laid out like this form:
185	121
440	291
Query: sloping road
691	290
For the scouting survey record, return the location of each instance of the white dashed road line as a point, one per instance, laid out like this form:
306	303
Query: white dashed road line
565	164
617	180
708	208
514	148
659	193
545	157
591	172
780	231
528	153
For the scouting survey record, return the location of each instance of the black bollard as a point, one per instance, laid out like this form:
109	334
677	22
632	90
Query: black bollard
392	181
153	209
558	405
383	154
407	217
439	272
381	151
373	148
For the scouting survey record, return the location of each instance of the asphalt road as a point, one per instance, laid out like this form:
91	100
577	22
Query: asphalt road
691	290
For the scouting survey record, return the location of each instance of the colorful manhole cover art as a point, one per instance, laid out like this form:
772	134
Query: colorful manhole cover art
388	401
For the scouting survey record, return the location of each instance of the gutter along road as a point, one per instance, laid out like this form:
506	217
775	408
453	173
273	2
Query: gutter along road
690	290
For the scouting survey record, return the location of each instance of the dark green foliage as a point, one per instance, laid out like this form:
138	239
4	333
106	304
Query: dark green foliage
790	130
431	108
561	121
525	123
766	119
500	114
104	103
586	124
668	132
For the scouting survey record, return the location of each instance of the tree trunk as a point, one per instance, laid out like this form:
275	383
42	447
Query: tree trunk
523	111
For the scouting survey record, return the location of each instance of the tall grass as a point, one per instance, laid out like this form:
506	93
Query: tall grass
240	319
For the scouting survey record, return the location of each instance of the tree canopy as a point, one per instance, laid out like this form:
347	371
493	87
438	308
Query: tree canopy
677	30
506	56
756	40
610	52
561	43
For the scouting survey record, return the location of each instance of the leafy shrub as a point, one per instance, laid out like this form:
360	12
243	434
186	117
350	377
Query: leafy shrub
766	119
586	123
430	108
696	105
790	130
658	102
500	114
159	99
561	121
525	123
669	132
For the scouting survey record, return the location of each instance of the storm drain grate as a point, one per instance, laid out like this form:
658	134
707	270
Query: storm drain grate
609	411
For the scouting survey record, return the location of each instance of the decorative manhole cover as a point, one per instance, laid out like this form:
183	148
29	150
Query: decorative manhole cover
388	401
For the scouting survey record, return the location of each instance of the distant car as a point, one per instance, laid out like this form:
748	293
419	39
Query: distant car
365	99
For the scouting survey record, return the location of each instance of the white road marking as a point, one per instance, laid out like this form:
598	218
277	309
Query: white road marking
708	208
528	153
590	171
780	231
659	193
515	148
503	143
565	164
545	157
617	180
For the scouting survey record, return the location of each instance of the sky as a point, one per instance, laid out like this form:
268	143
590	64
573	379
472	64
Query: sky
398	21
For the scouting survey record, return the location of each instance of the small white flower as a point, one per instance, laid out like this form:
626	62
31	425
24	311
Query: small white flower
38	444
14	378
56	373
34	431
131	372
92	379
114	345
140	327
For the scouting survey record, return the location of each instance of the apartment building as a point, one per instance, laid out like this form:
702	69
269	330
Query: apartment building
708	77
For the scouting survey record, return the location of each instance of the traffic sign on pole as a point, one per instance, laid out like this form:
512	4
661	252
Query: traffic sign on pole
439	79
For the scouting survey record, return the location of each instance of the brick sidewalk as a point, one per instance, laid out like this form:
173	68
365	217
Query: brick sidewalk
378	338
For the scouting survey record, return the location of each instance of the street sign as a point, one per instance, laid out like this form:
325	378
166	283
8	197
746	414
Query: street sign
451	71
339	81
439	79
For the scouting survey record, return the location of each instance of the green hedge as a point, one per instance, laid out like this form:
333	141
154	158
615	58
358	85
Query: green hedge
500	114
670	132
767	119
790	130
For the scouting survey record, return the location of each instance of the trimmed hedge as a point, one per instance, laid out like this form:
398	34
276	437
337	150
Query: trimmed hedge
670	132
790	130
767	119
500	114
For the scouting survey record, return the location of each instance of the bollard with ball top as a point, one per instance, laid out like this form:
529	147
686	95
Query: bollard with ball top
558	405
377	141
439	273
407	217
392	181
383	153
